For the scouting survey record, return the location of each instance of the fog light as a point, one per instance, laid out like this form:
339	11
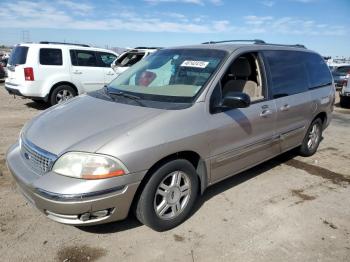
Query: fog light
101	213
96	214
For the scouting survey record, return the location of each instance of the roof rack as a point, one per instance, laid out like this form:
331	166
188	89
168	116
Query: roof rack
255	41
62	43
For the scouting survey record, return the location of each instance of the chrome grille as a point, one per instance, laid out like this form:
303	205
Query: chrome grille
38	159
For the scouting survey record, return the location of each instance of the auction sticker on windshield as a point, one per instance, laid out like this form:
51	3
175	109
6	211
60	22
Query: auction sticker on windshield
197	64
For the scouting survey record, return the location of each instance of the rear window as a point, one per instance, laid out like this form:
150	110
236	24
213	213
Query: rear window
294	72
83	58
50	56
18	55
129	59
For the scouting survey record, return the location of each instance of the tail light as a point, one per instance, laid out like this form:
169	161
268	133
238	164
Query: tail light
28	74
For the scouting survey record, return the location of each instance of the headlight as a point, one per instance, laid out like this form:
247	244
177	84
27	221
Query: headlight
88	166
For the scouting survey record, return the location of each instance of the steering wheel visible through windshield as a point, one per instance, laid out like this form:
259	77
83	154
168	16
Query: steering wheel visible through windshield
170	75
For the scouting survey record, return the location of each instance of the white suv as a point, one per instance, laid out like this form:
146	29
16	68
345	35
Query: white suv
131	57
54	72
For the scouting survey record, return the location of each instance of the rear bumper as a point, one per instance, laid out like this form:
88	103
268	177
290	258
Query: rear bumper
15	90
75	201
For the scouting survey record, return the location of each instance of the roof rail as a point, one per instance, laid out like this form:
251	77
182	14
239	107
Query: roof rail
255	41
62	43
295	45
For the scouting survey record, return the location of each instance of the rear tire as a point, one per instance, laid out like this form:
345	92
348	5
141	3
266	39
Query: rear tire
62	93
312	138
169	196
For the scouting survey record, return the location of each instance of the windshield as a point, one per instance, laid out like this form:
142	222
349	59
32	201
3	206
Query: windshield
170	75
18	55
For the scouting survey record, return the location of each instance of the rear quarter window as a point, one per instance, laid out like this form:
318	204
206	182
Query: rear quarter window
318	72
50	56
18	55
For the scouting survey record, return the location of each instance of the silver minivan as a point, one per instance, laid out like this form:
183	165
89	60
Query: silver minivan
178	121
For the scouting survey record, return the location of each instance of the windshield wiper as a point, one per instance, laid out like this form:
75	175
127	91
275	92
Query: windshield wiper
126	95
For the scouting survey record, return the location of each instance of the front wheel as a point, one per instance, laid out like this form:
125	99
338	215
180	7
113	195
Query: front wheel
312	138
62	93
169	196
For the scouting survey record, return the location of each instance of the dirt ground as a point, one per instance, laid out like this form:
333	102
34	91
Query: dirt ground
288	209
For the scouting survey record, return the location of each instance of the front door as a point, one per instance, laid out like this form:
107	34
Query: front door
242	137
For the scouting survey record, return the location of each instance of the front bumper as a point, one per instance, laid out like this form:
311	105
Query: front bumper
74	201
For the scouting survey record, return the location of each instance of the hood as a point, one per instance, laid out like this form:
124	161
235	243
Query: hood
84	124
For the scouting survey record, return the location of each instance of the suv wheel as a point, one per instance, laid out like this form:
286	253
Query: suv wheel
312	138
169	195
62	93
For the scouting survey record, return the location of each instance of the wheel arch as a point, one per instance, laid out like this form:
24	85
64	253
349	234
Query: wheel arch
194	158
323	117
63	83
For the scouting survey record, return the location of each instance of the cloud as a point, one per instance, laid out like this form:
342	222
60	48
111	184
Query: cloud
290	26
268	3
77	8
25	14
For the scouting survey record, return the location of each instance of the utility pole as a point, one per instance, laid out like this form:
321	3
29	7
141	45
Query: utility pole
25	36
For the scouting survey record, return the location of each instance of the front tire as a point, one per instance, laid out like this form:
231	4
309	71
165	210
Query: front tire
169	195
62	93
312	138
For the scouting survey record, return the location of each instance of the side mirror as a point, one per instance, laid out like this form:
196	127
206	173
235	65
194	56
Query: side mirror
236	100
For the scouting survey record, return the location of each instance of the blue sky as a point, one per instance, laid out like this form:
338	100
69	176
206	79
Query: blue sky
321	25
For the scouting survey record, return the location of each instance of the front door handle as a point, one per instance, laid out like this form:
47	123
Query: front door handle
110	74
285	107
266	113
77	72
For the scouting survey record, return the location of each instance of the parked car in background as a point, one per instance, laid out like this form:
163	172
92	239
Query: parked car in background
345	95
340	75
54	72
2	72
131	57
3	65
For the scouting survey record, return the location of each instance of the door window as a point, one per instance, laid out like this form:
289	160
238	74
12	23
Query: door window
244	75
105	59
50	56
294	72
83	58
288	72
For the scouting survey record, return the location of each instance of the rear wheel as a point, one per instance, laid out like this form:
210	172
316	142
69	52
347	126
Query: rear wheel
62	93
312	138
169	195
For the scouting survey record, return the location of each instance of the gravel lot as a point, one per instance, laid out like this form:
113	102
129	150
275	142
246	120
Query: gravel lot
288	209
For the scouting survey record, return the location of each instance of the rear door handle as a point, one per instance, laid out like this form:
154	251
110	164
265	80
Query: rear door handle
285	107
77	72
266	113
